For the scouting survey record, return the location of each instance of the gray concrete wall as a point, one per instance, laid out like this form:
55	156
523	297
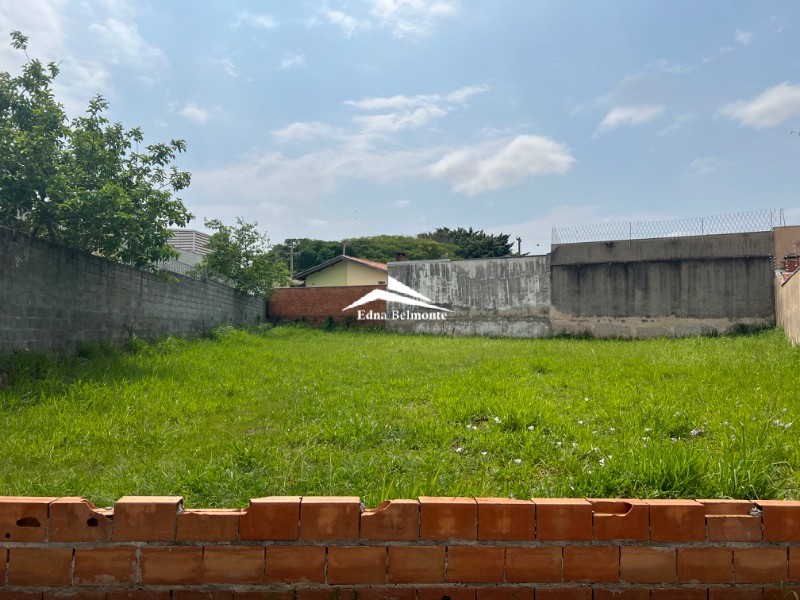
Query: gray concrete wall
681	286
54	298
787	306
506	297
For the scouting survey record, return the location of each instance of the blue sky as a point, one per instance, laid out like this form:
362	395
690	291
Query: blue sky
342	118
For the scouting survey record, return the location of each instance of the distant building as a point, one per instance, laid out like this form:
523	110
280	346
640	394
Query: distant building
343	271
191	245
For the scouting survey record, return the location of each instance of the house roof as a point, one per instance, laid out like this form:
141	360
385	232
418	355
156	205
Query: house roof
362	261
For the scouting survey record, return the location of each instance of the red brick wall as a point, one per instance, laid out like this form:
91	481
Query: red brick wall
321	548
314	305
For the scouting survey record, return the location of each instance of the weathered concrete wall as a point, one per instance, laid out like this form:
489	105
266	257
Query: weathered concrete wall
54	298
507	297
787	306
681	286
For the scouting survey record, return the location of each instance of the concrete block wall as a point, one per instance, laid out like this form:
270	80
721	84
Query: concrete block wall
54	298
315	548
314	305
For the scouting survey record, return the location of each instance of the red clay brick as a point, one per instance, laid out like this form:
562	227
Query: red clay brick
77	520
584	593
233	564
724	506
39	566
506	519
391	521
330	518
79	595
620	520
729	593
794	563
677	521
500	593
105	565
138	595
563	519
733	528
591	564
440	593
202	595
272	518
182	565
705	565
781	520
781	593
23	519
647	565
146	518
208	525
356	564
334	594
448	518
679	594
387	594
622	594
265	595
475	564
3	561
416	564
760	565
533	565
295	564
6	595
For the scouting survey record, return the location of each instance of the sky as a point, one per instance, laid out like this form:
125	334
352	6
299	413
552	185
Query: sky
342	118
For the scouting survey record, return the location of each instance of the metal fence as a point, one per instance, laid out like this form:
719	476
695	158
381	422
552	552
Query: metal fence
744	222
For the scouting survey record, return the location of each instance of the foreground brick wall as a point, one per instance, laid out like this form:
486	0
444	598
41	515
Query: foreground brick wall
319	548
315	304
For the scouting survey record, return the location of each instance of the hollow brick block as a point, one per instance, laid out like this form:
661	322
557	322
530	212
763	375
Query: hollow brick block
202	594
3	561
448	518
75	519
794	563
295	564
416	564
731	593
272	518
475	564
622	594
641	564
786	592
506	519
233	564
20	595
80	595
534	565
563	519
583	593
208	525
180	565
677	521
23	519
332	594
264	595
454	593
146	518
679	594
781	519
378	593
731	521
705	565
760	565
105	565
39	566
330	517
626	519
356	564
591	564
391	521
499	593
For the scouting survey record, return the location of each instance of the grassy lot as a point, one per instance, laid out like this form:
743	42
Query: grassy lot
294	411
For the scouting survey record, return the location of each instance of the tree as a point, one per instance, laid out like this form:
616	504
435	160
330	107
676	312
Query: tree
241	256
84	183
470	243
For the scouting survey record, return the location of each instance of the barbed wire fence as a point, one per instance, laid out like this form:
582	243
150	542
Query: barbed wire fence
743	222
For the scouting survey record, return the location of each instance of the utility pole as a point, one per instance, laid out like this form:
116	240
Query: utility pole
519	246
291	259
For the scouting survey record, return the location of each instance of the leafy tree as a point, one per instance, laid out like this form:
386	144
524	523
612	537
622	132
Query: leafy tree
241	256
84	183
470	243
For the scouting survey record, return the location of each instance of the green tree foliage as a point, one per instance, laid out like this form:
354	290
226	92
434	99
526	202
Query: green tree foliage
241	256
84	183
470	243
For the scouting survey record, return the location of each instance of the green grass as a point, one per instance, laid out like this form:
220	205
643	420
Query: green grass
289	410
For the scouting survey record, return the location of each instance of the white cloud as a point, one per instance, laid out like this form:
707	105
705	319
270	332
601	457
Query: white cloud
397	121
676	124
302	132
228	65
401	204
124	45
194	113
412	18
460	96
772	107
317	223
293	60
257	21
743	37
705	165
629	115
348	23
473	170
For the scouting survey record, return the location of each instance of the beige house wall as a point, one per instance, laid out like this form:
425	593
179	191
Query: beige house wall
787	307
362	275
346	273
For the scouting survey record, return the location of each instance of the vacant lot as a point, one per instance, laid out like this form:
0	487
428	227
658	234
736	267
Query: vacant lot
301	412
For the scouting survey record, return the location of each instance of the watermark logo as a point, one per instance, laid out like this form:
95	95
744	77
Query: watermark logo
402	294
